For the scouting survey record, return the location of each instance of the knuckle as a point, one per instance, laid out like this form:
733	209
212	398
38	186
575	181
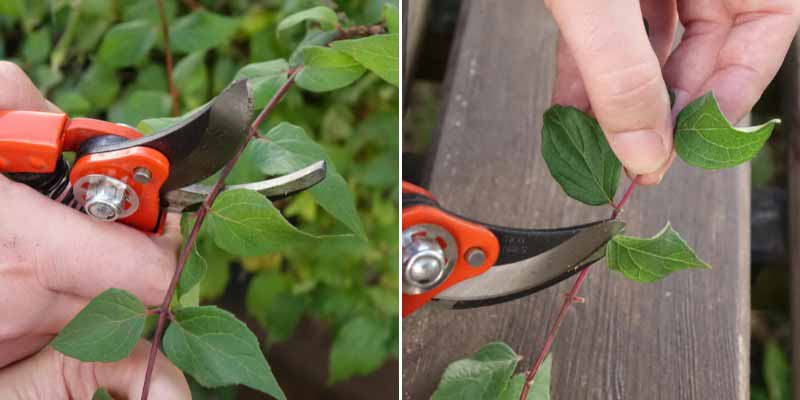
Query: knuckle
630	98
10	70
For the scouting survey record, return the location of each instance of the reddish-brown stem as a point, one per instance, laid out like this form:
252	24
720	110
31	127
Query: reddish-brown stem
551	335
625	197
173	91
570	298
163	310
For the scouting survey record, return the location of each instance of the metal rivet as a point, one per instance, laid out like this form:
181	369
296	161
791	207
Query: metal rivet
475	257
142	175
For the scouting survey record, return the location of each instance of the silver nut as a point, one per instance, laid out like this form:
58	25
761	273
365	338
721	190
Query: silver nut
475	257
105	198
142	175
425	269
423	265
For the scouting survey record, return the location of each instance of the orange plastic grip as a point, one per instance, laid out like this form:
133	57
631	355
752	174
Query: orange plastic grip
30	141
467	235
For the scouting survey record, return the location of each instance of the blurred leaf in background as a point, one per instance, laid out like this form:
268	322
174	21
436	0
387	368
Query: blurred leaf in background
105	59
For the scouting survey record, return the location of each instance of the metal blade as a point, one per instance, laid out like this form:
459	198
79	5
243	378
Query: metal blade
200	145
507	282
275	188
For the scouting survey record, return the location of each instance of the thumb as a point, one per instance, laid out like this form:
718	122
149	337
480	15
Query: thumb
622	77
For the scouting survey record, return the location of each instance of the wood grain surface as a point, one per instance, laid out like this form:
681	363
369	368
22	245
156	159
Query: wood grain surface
686	337
791	112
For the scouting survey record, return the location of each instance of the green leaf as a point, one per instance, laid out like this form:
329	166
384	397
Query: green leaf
201	393
392	18
46	78
102	394
218	350
146	9
201	30
540	389
99	85
777	372
484	375
193	272
106	330
71	102
358	349
140	105
514	388
222	74
271	302
218	274
245	223
327	69
191	77
265	79
648	260
705	139
151	77
578	156
377	53
288	149
323	15
127	44
36	46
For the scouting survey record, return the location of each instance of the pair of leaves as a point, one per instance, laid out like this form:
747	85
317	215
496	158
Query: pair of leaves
581	161
579	158
206	342
344	61
334	67
489	375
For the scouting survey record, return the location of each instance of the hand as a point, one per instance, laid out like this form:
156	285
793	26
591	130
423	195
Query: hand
53	261
607	63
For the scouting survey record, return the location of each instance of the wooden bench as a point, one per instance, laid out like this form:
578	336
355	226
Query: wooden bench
686	337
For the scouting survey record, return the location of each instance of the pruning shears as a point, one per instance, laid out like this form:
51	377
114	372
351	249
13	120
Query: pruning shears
121	175
463	263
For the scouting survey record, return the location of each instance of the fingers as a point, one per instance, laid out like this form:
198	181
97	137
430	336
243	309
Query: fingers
731	48
52	375
19	92
622	79
171	238
76	255
125	378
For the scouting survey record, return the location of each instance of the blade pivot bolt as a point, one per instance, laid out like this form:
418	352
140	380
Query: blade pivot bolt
105	198
429	254
475	257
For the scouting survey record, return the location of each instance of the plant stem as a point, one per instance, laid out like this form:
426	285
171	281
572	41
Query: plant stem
173	91
625	197
568	300
551	335
163	310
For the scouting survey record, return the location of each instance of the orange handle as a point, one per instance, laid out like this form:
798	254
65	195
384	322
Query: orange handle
32	141
467	235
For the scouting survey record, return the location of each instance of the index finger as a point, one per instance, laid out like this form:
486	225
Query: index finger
734	50
19	93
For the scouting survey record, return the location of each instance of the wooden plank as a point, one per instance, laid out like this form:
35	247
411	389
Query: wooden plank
791	107
686	337
415	19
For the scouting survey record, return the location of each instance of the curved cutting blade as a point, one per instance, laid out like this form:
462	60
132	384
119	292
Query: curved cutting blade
274	188
507	282
200	145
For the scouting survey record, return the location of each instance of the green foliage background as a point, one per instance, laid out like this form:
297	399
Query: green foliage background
105	59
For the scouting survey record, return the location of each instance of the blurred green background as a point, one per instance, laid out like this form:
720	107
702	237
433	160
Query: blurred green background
328	316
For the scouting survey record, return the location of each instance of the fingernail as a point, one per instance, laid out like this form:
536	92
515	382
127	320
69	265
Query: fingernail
642	152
